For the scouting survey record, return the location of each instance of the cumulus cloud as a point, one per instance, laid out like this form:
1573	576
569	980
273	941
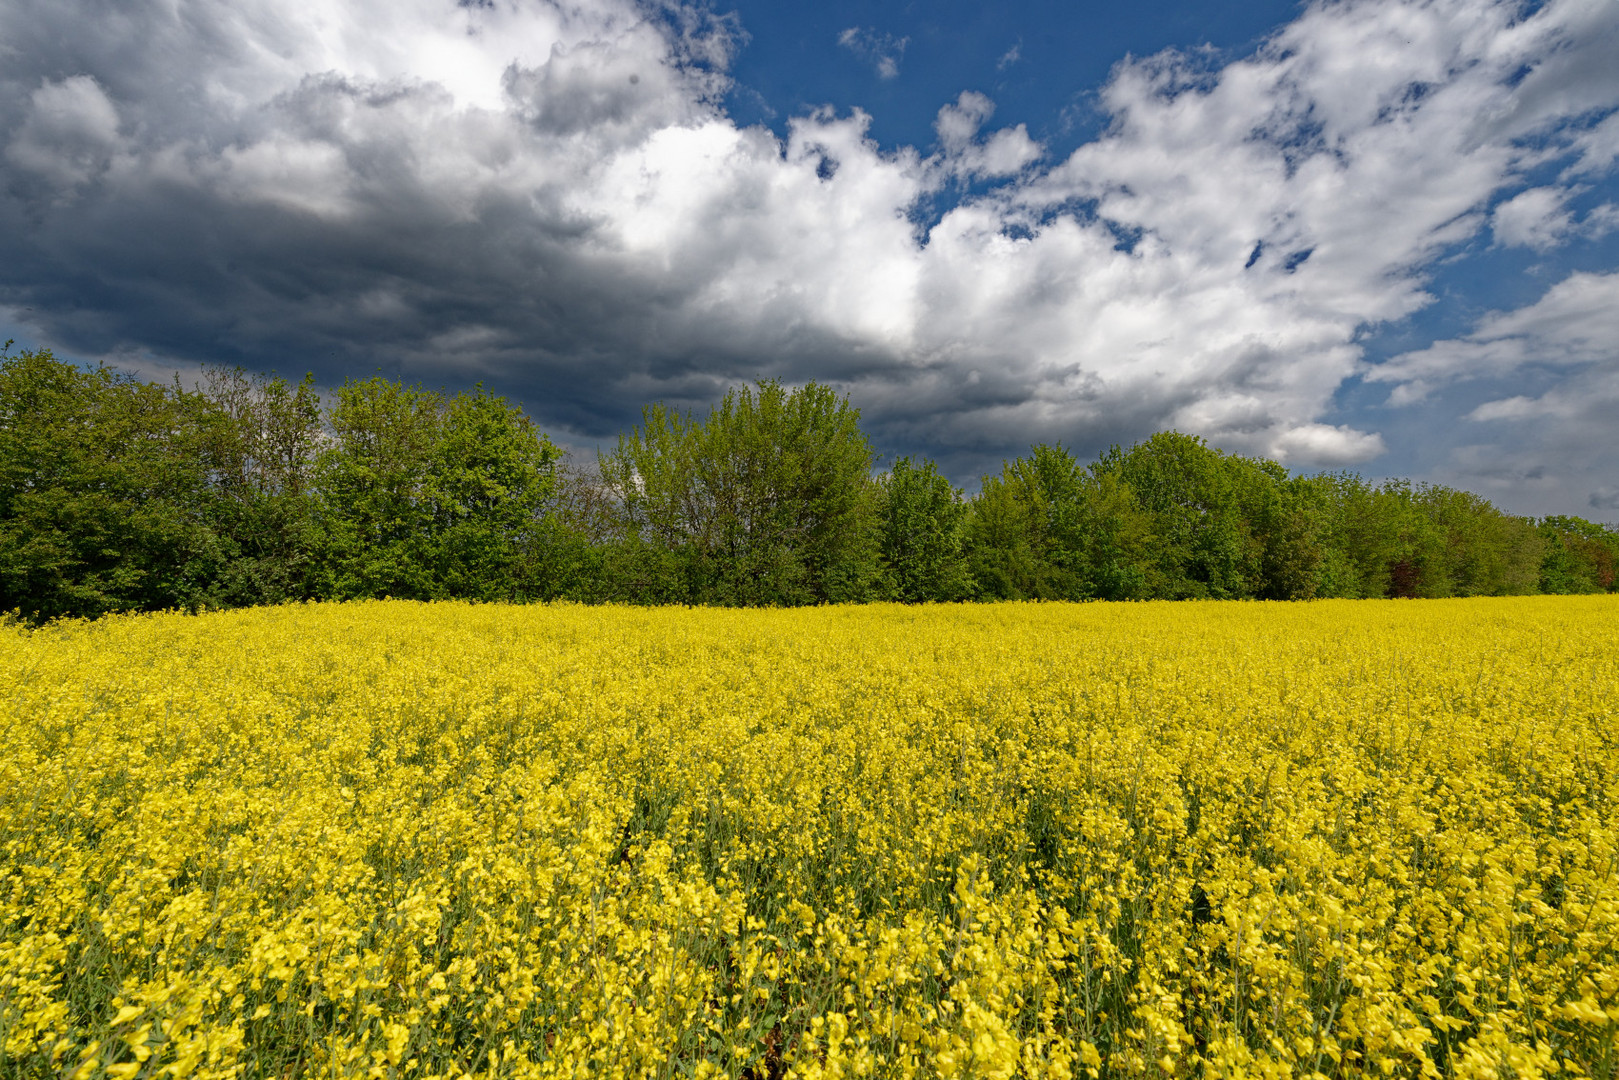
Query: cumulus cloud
1005	153
1601	221
1558	445
1539	218
1326	445
67	138
883	51
1598	148
1535	218
1575	324
551	198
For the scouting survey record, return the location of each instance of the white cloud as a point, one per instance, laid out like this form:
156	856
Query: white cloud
1539	219
882	50
1327	445
1598	148
1519	407
1553	447
1534	219
1601	221
958	123
1552	451
1576	323
308	175
1005	153
551	196
69	136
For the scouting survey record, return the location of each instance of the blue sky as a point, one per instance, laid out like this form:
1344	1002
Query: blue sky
1369	234
1042	63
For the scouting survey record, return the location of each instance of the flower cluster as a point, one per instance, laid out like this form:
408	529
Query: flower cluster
390	839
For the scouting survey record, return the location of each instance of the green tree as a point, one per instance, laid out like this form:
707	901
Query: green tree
768	500
103	485
1578	556
1200	502
1049	529
1359	538
582	552
1403	540
1289	518
490	481
1006	544
1332	502
1483	551
923	527
425	497
371	489
262	446
1381	542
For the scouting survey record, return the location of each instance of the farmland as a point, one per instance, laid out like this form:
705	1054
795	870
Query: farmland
398	839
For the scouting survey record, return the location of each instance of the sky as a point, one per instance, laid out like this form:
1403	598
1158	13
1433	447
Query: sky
1373	235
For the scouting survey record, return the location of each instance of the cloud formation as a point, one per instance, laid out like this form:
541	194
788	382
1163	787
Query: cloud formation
1557	444
883	51
1536	218
1006	152
553	199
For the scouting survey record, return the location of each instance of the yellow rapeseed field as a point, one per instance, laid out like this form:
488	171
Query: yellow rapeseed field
392	839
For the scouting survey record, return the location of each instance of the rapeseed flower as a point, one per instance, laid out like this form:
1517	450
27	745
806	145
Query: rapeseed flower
403	840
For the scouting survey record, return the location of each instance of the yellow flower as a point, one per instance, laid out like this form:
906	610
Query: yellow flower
1311	840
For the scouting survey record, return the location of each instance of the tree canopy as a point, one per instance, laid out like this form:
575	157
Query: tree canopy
123	495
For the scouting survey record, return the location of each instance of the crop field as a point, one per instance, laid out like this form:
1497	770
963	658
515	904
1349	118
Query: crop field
386	839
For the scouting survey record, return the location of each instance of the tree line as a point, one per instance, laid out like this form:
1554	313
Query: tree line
118	494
